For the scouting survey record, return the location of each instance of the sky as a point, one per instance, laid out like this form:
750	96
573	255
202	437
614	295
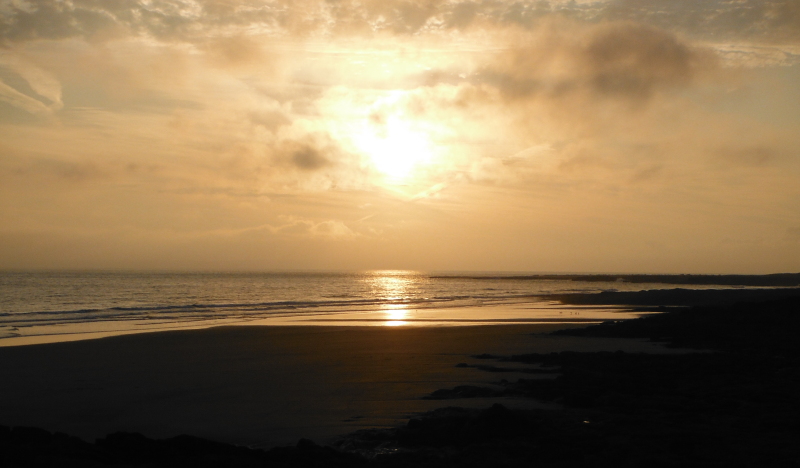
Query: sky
641	136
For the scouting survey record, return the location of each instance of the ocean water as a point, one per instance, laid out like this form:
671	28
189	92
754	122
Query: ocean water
63	304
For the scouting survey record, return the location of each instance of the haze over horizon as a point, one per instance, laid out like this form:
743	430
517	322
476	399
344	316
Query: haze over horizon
630	136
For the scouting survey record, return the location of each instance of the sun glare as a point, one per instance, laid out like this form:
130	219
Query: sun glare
393	286
396	148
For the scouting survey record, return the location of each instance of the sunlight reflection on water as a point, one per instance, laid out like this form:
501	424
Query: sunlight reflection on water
57	306
393	285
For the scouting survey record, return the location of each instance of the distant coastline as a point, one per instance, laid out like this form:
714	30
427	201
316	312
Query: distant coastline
773	279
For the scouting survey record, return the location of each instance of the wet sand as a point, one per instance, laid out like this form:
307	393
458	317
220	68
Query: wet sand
523	312
260	386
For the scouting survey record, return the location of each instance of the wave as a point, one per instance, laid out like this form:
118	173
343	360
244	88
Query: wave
279	304
254	310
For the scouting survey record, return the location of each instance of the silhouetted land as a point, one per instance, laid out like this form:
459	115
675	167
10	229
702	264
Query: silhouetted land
773	280
663	298
732	403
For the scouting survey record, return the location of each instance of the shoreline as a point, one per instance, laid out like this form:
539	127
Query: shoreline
572	308
515	313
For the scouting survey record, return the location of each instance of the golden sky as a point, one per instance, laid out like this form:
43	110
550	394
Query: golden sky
572	136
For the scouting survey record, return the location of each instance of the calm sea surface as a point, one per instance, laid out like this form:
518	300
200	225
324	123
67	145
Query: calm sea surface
64	303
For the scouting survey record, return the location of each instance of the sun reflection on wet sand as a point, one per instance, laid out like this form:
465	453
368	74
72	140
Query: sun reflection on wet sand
396	315
393	285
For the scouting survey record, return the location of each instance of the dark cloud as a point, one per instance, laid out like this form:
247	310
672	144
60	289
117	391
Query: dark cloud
777	20
309	158
52	19
617	60
714	19
463	14
630	59
403	16
785	18
310	154
16	81
26	87
17	115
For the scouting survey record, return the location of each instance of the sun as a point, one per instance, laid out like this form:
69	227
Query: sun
396	146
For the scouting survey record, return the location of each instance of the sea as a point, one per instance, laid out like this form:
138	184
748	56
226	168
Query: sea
42	306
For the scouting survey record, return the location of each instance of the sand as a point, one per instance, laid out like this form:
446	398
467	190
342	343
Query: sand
257	385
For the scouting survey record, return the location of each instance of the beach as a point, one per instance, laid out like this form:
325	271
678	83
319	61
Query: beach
261	386
702	378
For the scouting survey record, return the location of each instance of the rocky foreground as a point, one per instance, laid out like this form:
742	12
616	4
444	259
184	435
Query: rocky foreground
732	403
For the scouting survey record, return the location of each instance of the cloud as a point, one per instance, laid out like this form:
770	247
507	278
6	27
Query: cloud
36	91
634	60
19	100
617	60
720	20
231	33
308	158
169	19
429	192
589	101
308	153
328	229
234	50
